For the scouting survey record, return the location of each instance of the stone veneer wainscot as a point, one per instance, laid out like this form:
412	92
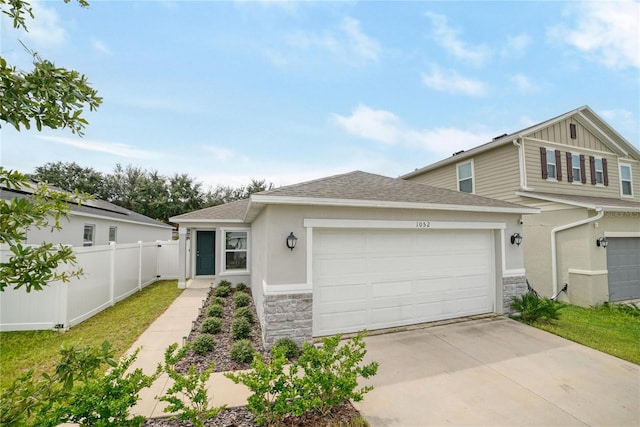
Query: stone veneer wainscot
512	287
287	316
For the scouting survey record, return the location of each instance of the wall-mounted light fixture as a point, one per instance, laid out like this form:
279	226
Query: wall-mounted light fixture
291	241
516	239
602	242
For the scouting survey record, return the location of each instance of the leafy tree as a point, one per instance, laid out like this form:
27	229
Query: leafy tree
71	176
52	97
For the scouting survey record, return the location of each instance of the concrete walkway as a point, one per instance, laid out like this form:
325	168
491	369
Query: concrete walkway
169	328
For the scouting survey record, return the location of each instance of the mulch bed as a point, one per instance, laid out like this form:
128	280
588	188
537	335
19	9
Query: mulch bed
240	416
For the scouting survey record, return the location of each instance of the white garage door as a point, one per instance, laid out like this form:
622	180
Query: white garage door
377	279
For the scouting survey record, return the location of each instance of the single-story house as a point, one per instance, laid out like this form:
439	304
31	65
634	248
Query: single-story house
358	250
95	222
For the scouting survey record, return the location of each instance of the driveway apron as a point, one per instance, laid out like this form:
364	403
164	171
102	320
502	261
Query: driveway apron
496	372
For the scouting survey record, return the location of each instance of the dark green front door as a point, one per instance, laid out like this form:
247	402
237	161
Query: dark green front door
205	253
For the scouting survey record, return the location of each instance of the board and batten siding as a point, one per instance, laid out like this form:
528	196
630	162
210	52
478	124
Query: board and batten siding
560	133
535	180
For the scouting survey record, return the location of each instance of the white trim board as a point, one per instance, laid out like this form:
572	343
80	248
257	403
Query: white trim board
421	224
622	234
281	289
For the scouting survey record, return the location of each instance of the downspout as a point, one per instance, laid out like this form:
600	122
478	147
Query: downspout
521	164
554	259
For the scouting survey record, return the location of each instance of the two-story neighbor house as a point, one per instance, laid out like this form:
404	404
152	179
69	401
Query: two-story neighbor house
585	178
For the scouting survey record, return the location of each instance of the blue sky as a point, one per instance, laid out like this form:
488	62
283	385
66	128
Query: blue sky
291	91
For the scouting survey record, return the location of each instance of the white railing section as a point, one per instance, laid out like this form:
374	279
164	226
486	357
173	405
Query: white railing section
111	273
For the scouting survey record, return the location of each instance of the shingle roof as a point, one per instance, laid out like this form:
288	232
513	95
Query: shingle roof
365	186
93	206
233	211
606	203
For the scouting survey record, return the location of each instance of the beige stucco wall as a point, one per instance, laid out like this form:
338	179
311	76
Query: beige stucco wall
73	231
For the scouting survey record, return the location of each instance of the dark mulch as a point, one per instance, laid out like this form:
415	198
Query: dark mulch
224	340
240	417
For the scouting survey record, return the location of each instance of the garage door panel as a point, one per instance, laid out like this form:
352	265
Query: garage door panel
623	264
399	277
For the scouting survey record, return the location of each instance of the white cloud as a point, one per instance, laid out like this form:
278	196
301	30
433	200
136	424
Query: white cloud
523	83
225	154
447	37
349	43
101	47
45	29
452	82
384	126
516	45
113	148
622	121
607	31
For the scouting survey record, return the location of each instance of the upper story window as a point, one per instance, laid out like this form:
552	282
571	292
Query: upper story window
598	166
550	164
236	250
465	177
89	233
575	168
626	184
113	233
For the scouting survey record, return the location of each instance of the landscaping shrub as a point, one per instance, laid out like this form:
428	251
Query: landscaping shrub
215	310
211	325
241	299
203	344
225	283
241	287
533	309
240	328
244	312
218	300
222	290
242	351
286	346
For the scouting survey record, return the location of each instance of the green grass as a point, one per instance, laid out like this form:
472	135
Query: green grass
607	328
121	325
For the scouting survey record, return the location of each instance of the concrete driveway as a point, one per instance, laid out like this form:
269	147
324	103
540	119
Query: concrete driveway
496	372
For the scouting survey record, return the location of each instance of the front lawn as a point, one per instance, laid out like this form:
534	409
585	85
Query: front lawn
121	325
607	328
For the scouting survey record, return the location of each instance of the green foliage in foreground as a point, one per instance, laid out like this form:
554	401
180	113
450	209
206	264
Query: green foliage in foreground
38	350
324	377
610	328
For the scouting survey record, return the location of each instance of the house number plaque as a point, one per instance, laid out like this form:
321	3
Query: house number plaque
423	224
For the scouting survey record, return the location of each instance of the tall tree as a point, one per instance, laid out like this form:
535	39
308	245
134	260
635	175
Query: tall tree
71	176
52	97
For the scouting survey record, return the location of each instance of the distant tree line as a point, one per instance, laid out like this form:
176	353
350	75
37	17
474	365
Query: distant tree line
147	192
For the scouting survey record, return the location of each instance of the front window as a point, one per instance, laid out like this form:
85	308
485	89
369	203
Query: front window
551	164
575	168
113	233
599	171
235	250
465	177
625	180
88	235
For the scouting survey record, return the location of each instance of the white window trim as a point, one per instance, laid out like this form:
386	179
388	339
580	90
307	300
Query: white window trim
620	165
116	233
473	176
223	247
92	242
595	168
579	181
553	178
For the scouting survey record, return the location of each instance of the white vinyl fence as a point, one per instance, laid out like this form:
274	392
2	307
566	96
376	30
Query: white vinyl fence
111	273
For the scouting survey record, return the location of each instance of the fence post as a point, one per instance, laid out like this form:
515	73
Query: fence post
112	273
139	265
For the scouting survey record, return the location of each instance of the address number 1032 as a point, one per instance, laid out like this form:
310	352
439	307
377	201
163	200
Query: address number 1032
423	224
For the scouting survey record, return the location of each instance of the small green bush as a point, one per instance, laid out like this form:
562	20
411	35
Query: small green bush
215	310
222	290
241	299
218	300
240	328
532	309
242	351
203	344
211	325
241	287
244	312
286	346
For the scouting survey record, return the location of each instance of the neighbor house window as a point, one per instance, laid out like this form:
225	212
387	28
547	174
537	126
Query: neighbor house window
113	233
89	232
465	177
625	180
598	168
236	250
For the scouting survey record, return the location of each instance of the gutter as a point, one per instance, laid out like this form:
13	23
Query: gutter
554	259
